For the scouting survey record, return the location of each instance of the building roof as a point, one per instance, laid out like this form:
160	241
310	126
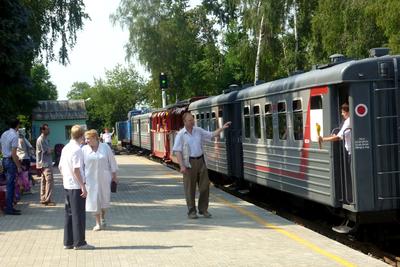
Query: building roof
60	110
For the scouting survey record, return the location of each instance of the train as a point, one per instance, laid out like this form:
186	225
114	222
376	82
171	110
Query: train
273	138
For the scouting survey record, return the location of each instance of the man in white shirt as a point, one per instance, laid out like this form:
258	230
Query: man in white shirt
71	168
189	152
11	164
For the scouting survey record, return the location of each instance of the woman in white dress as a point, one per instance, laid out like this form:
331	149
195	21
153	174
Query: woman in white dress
100	170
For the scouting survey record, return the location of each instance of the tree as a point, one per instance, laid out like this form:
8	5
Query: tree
43	88
79	90
29	29
15	50
110	99
55	22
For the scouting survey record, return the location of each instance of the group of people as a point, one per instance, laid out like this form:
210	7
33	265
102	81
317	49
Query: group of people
87	166
89	169
87	174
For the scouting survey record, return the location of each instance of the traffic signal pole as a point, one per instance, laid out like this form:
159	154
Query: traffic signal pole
163	87
164	98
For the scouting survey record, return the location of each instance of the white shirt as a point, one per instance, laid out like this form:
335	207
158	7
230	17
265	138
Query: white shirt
194	140
106	137
71	158
347	134
24	148
9	140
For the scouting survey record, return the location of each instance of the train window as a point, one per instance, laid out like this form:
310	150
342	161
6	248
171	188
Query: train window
297	120
257	122
220	122
201	120
213	122
282	121
316	117
316	102
207	121
246	113
268	122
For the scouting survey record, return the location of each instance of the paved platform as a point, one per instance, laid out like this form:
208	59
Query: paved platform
148	227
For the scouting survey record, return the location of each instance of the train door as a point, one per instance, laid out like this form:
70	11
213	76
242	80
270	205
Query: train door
231	112
342	164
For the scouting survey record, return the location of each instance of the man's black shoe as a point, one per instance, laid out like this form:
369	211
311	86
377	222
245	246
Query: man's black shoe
15	210
12	213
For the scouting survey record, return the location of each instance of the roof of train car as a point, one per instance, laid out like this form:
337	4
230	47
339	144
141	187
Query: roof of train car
350	71
214	100
141	116
176	106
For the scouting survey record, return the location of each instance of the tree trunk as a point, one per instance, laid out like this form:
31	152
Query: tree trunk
257	65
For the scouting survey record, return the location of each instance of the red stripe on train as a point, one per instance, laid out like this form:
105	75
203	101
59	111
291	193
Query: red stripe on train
292	174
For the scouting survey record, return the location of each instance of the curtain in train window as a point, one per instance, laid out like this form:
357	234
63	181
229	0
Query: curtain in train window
220	118
202	123
316	118
283	131
198	120
220	123
257	122
208	121
297	120
268	122
213	122
246	113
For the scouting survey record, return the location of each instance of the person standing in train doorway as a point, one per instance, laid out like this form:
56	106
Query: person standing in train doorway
343	134
189	152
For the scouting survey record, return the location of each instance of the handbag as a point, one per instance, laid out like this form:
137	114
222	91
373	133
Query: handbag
113	187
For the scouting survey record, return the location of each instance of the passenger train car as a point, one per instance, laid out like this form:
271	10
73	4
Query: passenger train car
166	123
282	120
141	131
123	129
273	138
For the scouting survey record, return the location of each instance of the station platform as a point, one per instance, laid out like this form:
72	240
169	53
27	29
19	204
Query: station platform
148	226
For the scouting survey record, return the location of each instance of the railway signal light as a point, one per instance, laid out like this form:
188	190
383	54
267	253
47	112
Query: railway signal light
163	81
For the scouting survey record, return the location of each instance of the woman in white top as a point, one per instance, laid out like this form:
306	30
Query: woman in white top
100	170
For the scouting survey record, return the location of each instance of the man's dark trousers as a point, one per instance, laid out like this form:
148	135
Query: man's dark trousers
75	218
10	171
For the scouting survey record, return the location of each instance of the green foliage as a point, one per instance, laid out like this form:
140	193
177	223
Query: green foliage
109	100
52	22
43	88
29	28
205	49
80	90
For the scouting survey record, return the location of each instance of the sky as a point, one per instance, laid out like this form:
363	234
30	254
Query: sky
99	47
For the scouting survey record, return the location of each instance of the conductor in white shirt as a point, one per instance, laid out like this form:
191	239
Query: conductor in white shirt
189	152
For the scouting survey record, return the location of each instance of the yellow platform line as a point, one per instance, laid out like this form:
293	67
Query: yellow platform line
292	236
